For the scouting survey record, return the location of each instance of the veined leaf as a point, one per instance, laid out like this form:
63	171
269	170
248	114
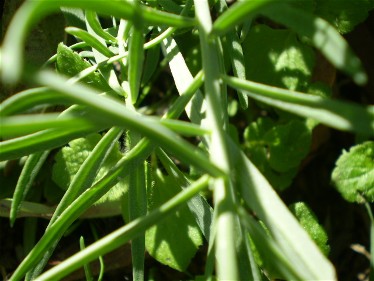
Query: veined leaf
175	240
70	64
70	158
353	175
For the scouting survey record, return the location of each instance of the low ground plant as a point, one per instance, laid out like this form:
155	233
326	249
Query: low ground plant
186	120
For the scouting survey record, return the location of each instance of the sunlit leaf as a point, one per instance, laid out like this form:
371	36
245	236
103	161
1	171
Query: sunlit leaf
353	175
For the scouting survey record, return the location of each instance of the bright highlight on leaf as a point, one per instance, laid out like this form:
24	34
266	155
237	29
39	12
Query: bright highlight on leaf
353	175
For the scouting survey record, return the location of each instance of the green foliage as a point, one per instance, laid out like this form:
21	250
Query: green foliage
276	57
174	241
353	175
236	155
70	158
277	149
70	64
309	221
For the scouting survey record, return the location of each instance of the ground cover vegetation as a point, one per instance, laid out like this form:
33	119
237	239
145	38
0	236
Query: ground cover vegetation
187	140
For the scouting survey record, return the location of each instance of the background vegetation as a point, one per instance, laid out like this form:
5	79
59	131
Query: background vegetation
114	115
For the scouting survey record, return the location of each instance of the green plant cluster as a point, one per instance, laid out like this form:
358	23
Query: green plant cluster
140	114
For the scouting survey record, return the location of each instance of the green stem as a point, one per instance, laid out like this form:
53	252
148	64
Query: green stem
227	266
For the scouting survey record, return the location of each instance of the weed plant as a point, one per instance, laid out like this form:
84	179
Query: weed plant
142	116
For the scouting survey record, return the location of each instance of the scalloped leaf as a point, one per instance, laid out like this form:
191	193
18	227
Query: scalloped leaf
353	175
70	158
277	149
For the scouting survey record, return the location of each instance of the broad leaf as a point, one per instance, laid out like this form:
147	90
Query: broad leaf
277	149
70	64
353	175
344	15
175	240
276	57
70	158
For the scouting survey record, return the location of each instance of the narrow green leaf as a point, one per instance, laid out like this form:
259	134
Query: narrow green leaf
30	170
80	205
40	141
21	125
297	247
94	23
90	40
86	267
334	113
111	109
32	11
135	61
29	99
240	11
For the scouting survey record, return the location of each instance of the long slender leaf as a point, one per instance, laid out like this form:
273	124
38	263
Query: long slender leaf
32	11
30	170
334	113
94	23
28	99
80	205
111	109
125	233
81	181
90	40
296	245
227	263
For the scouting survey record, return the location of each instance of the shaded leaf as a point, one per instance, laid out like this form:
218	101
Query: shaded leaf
277	149
277	58
175	240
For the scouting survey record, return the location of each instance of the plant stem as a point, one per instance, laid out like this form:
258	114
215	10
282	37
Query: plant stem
227	268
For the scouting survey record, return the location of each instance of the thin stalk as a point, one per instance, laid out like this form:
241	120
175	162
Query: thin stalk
227	266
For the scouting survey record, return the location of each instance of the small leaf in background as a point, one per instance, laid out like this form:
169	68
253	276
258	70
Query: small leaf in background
353	175
176	239
70	64
344	15
70	158
276	57
309	222
277	149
